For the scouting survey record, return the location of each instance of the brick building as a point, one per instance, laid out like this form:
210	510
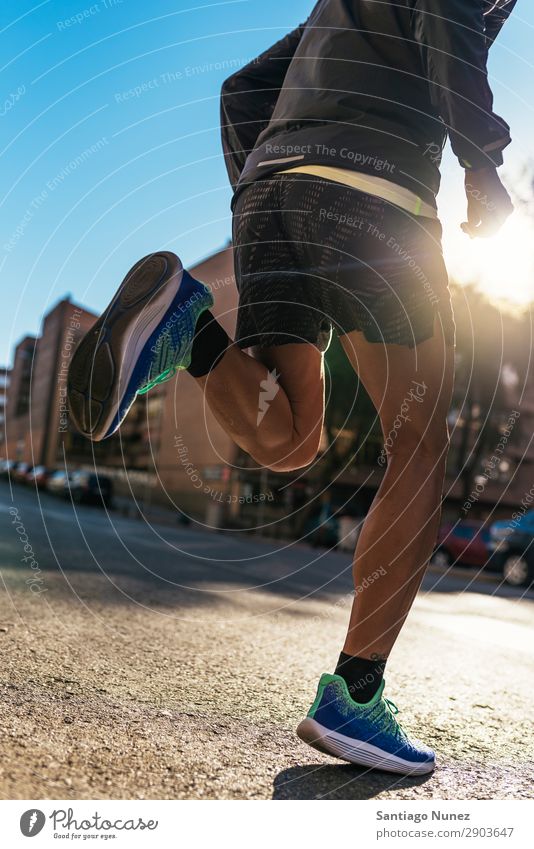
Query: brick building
5	374
17	407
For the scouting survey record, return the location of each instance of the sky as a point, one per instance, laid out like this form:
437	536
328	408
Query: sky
110	145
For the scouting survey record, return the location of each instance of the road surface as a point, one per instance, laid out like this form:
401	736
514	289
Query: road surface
156	662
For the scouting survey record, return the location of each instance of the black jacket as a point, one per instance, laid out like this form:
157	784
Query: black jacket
371	85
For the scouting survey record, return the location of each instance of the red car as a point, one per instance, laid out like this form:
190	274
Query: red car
464	543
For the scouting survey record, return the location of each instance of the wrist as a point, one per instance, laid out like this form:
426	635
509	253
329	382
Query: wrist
486	169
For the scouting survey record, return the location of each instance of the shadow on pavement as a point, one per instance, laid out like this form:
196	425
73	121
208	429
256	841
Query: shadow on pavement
320	781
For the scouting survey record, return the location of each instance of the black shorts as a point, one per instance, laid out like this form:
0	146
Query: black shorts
312	255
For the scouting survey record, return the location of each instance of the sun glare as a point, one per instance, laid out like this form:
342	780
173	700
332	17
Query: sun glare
503	266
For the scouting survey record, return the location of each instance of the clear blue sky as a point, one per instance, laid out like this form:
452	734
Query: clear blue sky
149	172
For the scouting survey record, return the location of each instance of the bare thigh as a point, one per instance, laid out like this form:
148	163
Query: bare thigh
299	370
410	387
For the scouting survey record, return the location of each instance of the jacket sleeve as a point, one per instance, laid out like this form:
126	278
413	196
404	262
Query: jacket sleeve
496	14
454	45
248	99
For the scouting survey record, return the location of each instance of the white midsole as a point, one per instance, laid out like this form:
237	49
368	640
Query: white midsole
357	751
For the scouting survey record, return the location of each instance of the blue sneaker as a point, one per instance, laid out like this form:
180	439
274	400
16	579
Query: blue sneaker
142	338
365	734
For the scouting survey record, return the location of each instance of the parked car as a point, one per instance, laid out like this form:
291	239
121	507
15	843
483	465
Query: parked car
38	476
517	564
324	533
90	488
57	483
512	544
465	543
7	468
503	529
322	528
20	472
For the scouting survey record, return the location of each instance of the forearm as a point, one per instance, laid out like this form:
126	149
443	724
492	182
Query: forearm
452	36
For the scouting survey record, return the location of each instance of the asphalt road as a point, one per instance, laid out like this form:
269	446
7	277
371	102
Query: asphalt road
153	662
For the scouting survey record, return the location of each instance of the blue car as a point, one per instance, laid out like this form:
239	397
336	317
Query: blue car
512	549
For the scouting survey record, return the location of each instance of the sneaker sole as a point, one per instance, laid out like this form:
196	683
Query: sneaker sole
357	751
104	360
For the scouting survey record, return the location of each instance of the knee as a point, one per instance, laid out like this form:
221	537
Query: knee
291	463
287	457
428	444
434	441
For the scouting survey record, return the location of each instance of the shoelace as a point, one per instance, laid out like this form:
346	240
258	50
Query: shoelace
394	723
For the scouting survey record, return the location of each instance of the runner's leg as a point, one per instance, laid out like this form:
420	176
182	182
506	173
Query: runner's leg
271	404
411	390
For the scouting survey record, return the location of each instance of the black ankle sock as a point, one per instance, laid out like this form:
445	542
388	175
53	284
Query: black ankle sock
209	344
361	675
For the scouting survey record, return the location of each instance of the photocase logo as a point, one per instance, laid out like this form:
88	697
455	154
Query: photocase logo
32	822
268	390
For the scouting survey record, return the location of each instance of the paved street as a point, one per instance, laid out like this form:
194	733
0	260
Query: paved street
160	662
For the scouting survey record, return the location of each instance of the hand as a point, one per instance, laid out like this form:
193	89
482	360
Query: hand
488	203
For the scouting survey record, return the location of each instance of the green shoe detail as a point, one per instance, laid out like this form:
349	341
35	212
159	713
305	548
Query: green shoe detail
161	378
324	681
174	347
327	679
